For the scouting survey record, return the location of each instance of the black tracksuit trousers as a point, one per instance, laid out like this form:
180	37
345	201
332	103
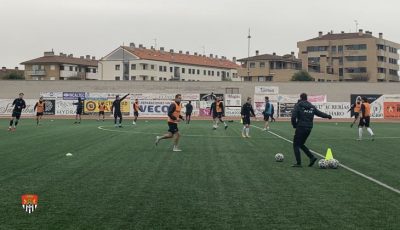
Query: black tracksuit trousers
299	140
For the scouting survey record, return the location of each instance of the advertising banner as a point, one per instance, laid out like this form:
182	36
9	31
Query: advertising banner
266	90
335	109
6	107
74	95
391	110
376	101
50	107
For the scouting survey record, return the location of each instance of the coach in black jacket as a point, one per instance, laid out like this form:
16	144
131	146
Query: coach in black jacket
302	121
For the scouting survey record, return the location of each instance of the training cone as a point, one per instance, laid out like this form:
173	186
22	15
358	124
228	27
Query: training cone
241	121
329	155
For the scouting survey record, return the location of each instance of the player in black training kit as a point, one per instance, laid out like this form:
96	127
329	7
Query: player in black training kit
247	112
19	104
116	110
302	121
79	110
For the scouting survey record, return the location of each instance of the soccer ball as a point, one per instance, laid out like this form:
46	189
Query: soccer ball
279	157
322	164
333	164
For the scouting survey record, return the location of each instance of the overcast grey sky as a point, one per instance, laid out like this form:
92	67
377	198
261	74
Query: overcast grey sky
96	27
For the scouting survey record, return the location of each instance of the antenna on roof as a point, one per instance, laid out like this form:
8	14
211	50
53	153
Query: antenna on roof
204	50
155	43
248	55
357	24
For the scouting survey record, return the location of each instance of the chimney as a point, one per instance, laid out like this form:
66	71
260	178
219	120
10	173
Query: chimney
187	52
360	32
211	56
93	58
3	68
381	35
49	53
234	59
132	45
195	53
71	55
292	53
274	53
140	46
216	56
16	68
82	57
257	52
88	57
320	34
180	51
61	54
342	32
161	48
171	51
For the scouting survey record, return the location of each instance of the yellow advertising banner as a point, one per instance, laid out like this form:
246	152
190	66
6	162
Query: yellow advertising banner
92	106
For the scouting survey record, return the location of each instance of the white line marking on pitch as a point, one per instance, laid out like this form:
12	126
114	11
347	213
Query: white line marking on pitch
342	165
184	135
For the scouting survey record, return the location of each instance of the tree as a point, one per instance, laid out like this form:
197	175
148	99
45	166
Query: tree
302	76
14	76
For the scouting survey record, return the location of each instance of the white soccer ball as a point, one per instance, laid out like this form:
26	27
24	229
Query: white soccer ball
279	157
68	154
333	163
322	164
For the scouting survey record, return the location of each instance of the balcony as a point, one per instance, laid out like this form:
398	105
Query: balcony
36	73
71	74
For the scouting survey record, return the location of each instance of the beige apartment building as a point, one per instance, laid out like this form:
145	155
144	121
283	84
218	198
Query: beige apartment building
353	56
61	67
275	68
138	63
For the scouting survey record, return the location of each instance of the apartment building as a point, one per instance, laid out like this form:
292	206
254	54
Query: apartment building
142	64
61	67
4	72
353	56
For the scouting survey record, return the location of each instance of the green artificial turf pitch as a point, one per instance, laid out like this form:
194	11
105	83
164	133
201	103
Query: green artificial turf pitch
118	179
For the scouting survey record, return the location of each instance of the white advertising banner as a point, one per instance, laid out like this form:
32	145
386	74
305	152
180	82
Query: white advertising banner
392	98
335	109
266	90
52	95
65	107
233	99
6	107
259	103
153	108
295	98
232	111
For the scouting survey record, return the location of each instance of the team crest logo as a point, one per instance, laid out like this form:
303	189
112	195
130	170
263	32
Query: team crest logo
29	202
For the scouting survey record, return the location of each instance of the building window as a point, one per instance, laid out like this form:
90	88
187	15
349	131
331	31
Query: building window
356	70
126	78
198	72
341	72
133	66
204	72
393	61
160	68
381	59
117	67
262	64
217	73
314	60
94	70
340	49
152	78
171	69
71	68
317	48
152	67
165	69
333	49
190	71
144	66
117	78
61	67
381	70
183	70
261	78
133	78
76	69
252	65
356	58
393	72
212	73
356	47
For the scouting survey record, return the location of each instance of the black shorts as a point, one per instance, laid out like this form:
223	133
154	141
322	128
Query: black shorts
136	114
117	114
79	111
188	114
101	112
16	114
356	115
364	122
173	128
217	115
267	117
39	114
246	120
